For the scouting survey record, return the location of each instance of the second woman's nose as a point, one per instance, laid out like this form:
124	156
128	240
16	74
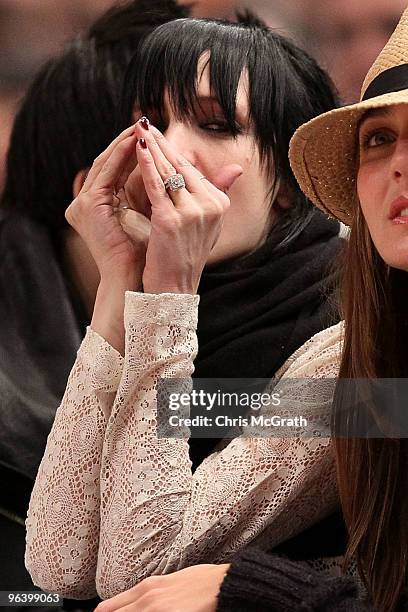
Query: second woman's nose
399	161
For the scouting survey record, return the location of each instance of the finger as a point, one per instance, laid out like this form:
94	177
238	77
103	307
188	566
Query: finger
163	165
195	181
136	194
135	225
111	170
181	165
129	167
152	180
100	160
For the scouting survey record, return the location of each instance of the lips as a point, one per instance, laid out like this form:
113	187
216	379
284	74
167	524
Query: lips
399	210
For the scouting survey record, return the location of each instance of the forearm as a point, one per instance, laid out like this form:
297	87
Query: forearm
63	516
145	480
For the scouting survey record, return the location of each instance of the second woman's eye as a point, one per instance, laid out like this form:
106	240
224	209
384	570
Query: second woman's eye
377	138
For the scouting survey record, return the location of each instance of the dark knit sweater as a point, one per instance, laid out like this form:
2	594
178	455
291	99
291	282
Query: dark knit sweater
264	582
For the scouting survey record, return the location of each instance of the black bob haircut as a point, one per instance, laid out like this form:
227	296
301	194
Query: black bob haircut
69	114
286	89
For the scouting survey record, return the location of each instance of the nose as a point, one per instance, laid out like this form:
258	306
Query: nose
399	161
180	136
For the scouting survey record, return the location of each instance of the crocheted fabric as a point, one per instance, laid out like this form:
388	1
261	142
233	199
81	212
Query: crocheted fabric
113	504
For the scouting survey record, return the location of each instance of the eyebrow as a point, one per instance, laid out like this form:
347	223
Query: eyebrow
374	112
239	111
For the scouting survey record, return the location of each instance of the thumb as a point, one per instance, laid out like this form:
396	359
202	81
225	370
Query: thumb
226	176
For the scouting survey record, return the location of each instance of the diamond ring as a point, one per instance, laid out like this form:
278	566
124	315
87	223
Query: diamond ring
175	182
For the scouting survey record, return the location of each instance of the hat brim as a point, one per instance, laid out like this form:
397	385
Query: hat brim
323	154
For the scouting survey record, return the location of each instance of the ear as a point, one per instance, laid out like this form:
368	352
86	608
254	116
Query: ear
79	180
284	198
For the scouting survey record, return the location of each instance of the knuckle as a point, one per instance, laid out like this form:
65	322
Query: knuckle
168	170
183	162
193	215
154	594
105	167
215	209
156	184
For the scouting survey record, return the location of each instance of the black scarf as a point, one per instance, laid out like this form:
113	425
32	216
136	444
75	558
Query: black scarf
256	311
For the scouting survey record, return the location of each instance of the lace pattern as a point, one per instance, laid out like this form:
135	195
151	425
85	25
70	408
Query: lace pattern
113	504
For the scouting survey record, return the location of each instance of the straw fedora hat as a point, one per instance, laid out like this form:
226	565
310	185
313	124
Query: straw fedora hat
323	153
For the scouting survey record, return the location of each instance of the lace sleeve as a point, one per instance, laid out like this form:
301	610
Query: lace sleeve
156	516
63	515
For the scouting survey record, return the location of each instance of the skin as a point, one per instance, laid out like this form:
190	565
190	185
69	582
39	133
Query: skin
383	177
193	589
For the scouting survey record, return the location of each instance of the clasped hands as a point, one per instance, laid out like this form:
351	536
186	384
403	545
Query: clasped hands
171	252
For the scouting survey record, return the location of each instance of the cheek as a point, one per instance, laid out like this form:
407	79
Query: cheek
370	188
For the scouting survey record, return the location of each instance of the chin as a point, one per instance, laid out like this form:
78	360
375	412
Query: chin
394	249
398	260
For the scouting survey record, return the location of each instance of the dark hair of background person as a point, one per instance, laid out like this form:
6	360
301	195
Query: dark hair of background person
286	88
373	473
69	114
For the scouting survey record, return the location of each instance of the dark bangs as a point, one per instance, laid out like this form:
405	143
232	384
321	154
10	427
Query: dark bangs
169	59
286	88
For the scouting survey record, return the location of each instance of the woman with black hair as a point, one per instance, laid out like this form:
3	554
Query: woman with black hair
112	502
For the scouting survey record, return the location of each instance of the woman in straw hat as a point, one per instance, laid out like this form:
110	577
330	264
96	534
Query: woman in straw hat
353	164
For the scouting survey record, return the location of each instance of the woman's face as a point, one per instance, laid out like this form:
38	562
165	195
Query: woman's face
205	141
382	181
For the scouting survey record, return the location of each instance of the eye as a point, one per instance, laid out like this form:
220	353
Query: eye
377	138
219	126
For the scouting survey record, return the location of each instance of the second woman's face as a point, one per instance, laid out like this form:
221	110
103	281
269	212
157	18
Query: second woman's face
207	143
382	181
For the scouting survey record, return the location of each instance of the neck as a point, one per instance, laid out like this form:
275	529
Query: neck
81	269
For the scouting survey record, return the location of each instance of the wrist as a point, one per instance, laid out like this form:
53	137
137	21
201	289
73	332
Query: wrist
167	285
108	315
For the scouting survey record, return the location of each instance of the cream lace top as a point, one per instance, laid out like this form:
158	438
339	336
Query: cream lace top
113	504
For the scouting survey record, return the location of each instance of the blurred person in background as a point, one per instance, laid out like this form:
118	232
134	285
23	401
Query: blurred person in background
211	8
32	31
346	36
66	119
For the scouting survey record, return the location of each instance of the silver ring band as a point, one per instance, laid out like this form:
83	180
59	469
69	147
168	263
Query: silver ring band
175	182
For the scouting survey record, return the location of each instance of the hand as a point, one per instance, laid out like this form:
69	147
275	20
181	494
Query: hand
194	589
116	238
94	212
185	224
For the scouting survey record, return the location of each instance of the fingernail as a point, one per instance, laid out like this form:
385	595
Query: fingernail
145	122
143	143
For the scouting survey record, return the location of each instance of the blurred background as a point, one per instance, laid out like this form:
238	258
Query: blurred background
344	35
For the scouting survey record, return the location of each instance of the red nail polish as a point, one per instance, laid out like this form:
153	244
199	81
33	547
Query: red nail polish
143	143
145	122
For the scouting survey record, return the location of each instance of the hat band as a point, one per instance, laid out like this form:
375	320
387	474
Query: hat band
393	79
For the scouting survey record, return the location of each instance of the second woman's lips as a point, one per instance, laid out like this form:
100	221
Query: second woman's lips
398	206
